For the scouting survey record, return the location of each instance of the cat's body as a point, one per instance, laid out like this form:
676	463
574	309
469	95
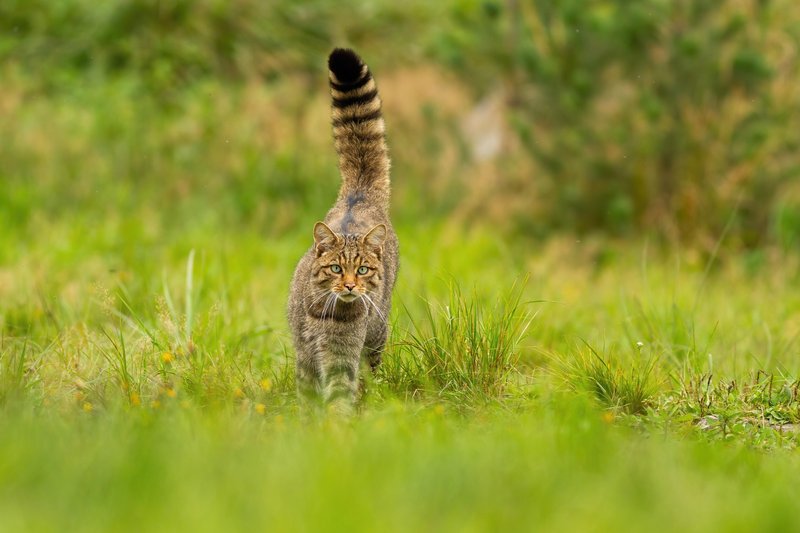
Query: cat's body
341	292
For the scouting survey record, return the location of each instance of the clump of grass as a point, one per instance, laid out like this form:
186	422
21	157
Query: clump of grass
464	348
729	407
630	388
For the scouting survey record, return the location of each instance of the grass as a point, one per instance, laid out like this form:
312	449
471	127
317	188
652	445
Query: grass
626	385
461	349
146	370
167	400
557	466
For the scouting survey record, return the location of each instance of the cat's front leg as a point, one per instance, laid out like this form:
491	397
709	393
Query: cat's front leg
307	378
341	381
372	352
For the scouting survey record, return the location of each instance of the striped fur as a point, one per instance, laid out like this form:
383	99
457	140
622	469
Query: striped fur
358	128
341	291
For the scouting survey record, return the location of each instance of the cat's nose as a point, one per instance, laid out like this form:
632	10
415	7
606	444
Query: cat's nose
350	286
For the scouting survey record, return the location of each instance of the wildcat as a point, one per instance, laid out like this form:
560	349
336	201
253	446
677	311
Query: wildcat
341	291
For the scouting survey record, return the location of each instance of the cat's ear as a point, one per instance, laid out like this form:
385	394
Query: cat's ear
376	237
324	237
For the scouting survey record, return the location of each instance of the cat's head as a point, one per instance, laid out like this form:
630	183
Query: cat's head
349	266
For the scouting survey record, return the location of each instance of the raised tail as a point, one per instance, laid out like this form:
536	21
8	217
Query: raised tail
358	129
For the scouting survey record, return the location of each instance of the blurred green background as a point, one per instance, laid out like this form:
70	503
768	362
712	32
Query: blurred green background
673	119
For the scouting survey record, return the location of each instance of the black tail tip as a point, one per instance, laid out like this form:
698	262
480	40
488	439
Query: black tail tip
345	65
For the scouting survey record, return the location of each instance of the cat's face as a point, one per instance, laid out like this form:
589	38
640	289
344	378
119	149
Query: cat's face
348	266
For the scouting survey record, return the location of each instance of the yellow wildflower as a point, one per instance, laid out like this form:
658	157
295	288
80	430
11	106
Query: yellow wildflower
135	399
170	392
87	406
260	408
238	392
265	384
166	358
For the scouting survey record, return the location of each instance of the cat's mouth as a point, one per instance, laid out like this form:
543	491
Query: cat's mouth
348	296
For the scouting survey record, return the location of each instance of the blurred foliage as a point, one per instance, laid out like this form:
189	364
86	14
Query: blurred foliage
168	45
671	117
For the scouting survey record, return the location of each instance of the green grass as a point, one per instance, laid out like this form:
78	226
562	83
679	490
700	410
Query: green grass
558	465
571	383
464	349
161	395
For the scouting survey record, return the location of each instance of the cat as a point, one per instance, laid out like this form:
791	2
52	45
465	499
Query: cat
341	291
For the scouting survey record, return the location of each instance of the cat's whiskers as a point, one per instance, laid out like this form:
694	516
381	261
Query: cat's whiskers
332	305
322	293
331	296
374	306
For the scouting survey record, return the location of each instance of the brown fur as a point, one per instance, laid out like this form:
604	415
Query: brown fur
341	291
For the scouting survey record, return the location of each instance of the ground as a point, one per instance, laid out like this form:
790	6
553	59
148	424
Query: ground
541	388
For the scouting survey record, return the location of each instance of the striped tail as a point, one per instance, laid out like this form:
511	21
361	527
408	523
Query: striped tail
358	129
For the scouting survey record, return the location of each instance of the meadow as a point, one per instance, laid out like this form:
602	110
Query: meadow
561	357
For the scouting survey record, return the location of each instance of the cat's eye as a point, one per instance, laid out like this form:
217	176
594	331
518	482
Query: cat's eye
336	269
362	270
